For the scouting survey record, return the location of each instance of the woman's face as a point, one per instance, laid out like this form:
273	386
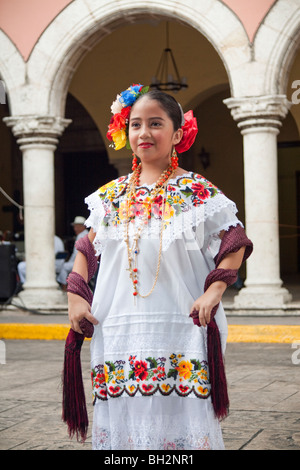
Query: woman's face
151	131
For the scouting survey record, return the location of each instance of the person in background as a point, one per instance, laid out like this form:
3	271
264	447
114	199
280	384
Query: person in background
80	231
58	248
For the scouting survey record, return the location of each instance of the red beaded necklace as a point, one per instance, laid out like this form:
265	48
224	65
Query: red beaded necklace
130	198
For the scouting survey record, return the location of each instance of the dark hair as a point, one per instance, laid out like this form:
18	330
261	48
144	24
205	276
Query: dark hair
169	105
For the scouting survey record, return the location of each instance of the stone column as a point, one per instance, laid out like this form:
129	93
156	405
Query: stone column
259	119
37	137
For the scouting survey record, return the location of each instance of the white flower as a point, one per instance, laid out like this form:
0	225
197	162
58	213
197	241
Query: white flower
116	107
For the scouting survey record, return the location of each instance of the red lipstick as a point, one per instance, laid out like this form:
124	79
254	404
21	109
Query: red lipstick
145	145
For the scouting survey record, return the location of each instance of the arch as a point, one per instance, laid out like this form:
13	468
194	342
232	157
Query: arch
58	51
12	68
40	86
276	44
205	94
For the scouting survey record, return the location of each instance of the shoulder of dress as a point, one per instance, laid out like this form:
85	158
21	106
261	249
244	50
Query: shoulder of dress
195	186
113	188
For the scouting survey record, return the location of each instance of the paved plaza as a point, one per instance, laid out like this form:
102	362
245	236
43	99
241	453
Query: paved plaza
264	387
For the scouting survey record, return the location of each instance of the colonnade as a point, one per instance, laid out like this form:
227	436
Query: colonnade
258	72
38	137
259	120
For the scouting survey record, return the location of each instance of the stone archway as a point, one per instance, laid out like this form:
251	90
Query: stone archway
59	51
283	22
259	113
38	96
39	103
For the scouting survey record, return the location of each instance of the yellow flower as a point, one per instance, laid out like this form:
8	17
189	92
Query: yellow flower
169	211
186	181
110	194
119	139
202	374
105	374
103	188
124	210
120	374
202	390
185	369
165	387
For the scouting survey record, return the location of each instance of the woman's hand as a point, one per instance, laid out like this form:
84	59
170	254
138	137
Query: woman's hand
78	308
206	302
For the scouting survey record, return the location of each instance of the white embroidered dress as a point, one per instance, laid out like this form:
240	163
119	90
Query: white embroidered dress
149	361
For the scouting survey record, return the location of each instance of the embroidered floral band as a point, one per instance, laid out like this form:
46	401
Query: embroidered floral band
195	190
151	375
191	197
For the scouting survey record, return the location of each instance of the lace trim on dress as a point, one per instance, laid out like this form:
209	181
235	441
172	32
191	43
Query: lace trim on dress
156	436
187	440
190	200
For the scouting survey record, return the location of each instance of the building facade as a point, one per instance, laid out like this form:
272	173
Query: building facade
241	62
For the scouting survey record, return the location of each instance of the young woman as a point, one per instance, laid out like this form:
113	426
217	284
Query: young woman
165	239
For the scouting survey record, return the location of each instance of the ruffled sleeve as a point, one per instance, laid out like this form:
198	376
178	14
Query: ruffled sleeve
96	209
104	205
95	219
220	214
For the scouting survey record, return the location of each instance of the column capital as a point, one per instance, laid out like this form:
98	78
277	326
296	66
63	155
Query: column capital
37	130
255	112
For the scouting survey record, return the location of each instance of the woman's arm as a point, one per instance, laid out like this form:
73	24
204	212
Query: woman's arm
213	295
78	308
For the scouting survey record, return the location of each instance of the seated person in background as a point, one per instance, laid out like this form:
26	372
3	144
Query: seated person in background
58	248
80	231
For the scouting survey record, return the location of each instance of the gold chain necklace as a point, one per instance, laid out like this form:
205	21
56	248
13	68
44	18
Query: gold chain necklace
130	198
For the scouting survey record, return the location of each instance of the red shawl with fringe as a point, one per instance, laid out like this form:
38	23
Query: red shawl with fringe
233	239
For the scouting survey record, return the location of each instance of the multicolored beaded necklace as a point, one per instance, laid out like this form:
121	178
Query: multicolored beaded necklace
131	200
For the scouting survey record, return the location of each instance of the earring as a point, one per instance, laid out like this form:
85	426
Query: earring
134	162
174	159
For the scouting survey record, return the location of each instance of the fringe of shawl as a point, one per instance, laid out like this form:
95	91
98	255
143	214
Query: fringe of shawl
233	239
74	411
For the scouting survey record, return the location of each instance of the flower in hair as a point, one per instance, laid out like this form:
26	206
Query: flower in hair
190	130
129	96
121	107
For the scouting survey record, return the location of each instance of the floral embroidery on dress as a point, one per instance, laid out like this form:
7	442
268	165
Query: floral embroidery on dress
187	202
151	375
184	193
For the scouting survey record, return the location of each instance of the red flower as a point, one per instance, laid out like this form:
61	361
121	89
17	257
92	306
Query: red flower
118	122
157	206
138	209
158	200
114	390
183	388
200	191
190	130
140	369
138	84
100	378
147	388
125	112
